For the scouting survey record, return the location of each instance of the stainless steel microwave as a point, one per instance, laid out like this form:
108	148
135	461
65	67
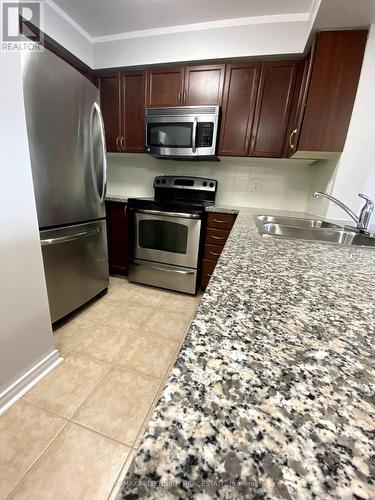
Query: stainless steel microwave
182	132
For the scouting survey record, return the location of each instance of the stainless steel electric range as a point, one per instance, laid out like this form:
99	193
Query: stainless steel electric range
166	232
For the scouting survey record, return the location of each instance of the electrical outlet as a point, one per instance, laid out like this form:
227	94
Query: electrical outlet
255	185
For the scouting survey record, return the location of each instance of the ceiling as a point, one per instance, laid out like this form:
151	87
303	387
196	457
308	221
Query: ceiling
334	14
104	18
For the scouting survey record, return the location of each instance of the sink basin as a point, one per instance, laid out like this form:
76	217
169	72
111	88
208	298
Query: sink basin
311	230
363	240
295	221
305	233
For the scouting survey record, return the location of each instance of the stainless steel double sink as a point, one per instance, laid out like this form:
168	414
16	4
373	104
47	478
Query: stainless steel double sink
311	230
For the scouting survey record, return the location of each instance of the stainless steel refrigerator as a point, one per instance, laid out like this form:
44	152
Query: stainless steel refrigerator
67	152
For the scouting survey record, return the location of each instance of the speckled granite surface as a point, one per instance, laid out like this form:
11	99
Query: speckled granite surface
272	393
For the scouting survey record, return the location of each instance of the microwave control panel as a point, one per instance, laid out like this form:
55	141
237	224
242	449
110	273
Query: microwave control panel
205	132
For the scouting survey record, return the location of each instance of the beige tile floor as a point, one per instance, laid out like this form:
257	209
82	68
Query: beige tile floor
74	434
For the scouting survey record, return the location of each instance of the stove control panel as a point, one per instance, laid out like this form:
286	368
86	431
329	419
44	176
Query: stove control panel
185	182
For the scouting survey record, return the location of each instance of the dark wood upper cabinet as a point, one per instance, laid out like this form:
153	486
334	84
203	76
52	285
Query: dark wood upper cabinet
240	91
164	86
122	101
133	106
327	94
297	106
269	109
204	85
109	86
275	93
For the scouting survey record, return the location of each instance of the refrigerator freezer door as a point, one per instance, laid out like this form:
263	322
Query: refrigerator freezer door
65	141
75	265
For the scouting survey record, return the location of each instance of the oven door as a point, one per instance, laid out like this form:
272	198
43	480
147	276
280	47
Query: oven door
168	136
167	237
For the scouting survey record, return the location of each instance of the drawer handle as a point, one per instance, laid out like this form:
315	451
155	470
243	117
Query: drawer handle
219	221
214	253
218	237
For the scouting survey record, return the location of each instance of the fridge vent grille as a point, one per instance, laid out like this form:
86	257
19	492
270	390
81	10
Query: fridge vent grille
182	111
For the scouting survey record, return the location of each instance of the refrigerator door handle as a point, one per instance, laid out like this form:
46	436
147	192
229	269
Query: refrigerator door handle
95	111
70	237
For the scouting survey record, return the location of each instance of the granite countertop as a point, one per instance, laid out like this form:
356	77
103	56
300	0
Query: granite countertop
271	395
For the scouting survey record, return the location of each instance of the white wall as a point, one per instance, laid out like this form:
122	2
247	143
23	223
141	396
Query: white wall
239	41
356	169
284	184
66	32
323	178
25	330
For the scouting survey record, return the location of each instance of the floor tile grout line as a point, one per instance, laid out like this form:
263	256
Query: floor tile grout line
71	419
48	410
110	366
93	390
118	480
117	365
66	422
100	433
164	380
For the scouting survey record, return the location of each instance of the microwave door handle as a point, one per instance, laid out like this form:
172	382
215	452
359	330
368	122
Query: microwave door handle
194	136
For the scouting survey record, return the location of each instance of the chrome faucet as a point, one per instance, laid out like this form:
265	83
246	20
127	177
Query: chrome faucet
363	220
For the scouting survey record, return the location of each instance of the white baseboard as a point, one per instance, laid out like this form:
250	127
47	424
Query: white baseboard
28	380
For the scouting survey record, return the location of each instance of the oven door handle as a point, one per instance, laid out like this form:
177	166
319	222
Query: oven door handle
156	268
168	214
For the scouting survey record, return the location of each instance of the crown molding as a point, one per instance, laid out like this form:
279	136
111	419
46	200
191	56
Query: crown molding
209	25
69	20
186	28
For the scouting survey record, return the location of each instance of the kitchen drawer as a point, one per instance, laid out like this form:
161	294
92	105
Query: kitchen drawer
212	252
216	237
208	267
221	221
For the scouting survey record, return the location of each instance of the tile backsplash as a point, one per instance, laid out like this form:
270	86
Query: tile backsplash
253	182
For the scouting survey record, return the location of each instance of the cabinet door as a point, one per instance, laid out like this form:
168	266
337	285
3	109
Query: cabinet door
298	103
117	237
333	86
204	85
274	99
109	86
133	108
240	90
164	87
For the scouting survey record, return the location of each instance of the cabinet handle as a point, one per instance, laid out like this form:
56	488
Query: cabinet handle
117	143
214	253
218	237
122	142
219	221
179	97
291	137
209	275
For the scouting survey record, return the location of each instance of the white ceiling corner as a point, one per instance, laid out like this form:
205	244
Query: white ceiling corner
112	20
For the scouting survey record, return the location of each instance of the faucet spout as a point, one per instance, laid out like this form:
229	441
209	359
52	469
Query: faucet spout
350	212
363	221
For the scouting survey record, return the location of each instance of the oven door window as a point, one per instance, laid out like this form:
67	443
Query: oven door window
170	135
163	235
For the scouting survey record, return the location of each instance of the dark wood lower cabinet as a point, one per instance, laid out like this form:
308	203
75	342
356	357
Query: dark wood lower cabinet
214	242
208	267
117	237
